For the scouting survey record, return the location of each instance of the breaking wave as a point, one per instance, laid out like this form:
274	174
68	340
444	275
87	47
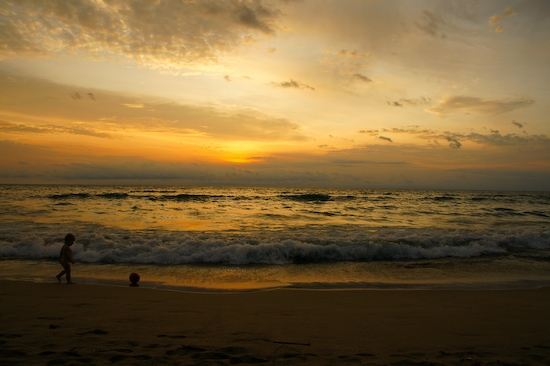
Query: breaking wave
184	248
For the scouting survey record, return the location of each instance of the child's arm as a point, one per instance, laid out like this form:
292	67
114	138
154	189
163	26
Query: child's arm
71	256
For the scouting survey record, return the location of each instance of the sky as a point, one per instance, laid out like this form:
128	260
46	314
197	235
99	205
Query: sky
423	94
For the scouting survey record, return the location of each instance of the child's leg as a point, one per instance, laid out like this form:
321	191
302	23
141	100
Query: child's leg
69	274
60	275
66	270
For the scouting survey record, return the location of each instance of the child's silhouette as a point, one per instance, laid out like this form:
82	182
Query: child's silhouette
66	258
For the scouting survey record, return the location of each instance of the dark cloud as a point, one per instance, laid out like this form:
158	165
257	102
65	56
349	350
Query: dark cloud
162	32
394	103
413	102
366	162
78	96
385	138
369	132
362	77
254	16
293	84
453	142
515	123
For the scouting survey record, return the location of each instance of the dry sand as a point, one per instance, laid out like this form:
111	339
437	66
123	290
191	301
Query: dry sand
59	324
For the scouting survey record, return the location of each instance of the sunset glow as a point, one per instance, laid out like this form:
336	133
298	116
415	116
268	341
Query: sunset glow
347	93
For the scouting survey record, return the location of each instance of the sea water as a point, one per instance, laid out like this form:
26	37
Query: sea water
238	239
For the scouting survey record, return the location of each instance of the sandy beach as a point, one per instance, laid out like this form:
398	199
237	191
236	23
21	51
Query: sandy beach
59	324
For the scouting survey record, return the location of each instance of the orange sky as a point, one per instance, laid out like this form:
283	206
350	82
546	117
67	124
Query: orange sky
347	93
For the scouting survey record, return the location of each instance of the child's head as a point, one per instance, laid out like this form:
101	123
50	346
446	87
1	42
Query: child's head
69	239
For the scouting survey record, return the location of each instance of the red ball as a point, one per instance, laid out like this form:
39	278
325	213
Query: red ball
134	278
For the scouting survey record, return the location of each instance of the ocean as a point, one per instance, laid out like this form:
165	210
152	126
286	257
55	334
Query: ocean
232	239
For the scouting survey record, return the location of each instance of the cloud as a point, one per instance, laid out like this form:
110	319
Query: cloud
13	128
206	124
378	166
352	54
494	19
362	77
518	124
418	101
78	96
394	103
122	116
346	62
131	169
159	34
413	102
254	15
435	24
453	142
495	138
508	12
425	134
8	127
369	132
478	106
131	105
293	84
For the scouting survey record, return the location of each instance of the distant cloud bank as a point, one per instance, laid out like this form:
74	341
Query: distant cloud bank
476	105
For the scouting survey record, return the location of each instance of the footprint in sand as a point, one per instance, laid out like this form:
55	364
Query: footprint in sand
95	331
246	359
171	336
211	356
184	350
118	358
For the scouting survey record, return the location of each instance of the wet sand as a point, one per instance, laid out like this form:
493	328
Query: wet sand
59	324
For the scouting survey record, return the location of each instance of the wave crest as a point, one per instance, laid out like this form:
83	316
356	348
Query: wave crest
202	248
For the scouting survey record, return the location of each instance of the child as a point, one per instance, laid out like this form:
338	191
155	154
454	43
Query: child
66	258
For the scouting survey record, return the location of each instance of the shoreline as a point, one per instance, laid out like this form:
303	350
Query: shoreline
367	286
444	274
52	323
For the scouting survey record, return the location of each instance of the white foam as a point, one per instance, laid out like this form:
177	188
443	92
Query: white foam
279	248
